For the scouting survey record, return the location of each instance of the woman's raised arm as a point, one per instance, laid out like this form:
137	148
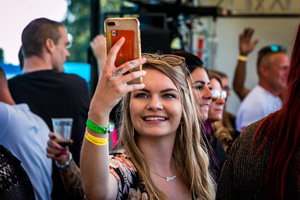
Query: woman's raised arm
98	183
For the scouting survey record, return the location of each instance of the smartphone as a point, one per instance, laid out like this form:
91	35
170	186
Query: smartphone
129	28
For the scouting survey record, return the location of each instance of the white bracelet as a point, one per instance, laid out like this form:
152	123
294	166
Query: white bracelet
243	58
67	163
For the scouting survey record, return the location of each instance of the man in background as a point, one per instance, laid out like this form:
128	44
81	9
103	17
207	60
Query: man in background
272	70
25	135
48	91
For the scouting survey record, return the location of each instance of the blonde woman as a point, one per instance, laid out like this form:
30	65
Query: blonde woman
159	155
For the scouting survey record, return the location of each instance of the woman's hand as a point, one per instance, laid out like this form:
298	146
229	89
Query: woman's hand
112	85
56	151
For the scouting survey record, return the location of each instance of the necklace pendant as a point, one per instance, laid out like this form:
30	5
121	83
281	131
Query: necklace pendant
170	178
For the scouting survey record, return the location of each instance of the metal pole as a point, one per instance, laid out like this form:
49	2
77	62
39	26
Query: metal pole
95	28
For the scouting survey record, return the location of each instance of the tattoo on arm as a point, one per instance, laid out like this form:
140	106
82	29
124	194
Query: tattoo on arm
72	179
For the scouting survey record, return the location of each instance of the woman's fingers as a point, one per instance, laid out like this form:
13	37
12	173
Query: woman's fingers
112	84
111	57
127	67
54	150
131	76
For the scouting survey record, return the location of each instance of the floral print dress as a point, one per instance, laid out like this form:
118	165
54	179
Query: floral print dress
131	186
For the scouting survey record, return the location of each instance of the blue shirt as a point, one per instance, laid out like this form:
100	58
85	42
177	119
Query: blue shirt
25	135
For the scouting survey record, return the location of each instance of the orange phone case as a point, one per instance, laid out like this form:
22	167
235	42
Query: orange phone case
126	53
115	28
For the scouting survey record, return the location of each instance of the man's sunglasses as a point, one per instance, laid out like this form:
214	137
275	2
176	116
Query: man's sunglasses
272	48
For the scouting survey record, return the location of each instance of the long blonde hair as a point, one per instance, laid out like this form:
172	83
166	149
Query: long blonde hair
190	157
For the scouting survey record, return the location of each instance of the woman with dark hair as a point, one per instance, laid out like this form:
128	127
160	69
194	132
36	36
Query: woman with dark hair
201	87
264	162
216	110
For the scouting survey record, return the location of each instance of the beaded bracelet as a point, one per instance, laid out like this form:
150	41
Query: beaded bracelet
103	130
95	140
242	58
67	163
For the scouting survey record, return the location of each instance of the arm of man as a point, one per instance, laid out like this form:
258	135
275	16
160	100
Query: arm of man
245	47
99	51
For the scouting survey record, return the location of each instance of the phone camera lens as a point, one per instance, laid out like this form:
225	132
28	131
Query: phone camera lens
111	23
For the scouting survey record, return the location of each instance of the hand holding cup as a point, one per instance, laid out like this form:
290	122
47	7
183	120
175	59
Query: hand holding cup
63	128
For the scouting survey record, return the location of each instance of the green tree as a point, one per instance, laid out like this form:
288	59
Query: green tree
78	25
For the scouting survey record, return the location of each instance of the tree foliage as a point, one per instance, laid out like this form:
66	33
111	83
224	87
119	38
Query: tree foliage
78	24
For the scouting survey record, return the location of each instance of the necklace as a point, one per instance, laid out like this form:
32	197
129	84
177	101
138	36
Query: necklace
166	177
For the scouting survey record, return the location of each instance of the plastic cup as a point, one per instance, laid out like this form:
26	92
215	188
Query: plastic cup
63	127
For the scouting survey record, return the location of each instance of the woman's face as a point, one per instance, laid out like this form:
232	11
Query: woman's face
156	110
201	90
216	107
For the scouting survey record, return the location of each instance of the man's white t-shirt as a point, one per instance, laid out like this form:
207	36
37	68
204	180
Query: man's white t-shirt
258	104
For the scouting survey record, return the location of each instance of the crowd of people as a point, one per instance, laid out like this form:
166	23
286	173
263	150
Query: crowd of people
169	137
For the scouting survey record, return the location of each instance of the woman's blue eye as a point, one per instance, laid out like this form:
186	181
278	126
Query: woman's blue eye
141	95
169	96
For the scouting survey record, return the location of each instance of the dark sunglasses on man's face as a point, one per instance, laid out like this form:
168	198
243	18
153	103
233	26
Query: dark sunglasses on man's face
272	48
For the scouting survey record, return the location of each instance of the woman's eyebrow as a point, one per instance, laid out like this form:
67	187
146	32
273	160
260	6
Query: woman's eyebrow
162	91
144	90
168	90
199	82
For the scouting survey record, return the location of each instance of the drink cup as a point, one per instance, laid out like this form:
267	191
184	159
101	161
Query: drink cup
63	127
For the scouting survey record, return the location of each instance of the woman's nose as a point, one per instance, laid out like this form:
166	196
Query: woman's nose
207	93
154	104
220	101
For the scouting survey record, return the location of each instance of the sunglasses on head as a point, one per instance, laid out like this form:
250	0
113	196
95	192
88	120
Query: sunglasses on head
216	95
272	48
170	59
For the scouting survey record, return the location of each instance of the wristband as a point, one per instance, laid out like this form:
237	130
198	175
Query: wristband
66	163
95	140
103	130
242	58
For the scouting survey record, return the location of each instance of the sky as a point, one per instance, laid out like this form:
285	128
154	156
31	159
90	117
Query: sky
16	14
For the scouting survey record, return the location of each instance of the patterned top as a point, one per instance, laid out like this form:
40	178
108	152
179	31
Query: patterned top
14	181
131	186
